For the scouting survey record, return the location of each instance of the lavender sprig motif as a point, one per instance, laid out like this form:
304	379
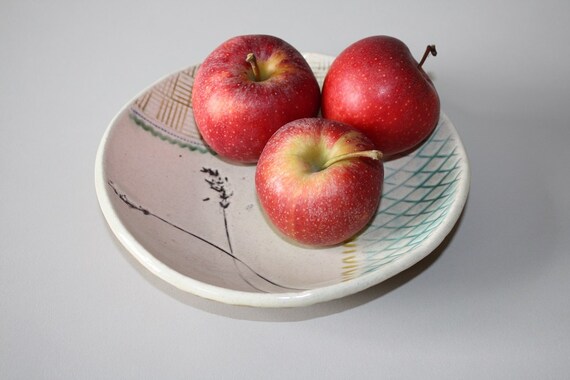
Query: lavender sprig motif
219	184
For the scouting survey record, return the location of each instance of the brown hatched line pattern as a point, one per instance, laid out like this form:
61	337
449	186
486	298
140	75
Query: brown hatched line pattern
169	102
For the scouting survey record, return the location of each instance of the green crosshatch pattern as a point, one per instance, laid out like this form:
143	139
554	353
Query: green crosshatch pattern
418	193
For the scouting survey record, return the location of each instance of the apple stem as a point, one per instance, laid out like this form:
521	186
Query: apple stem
254	67
373	154
430	49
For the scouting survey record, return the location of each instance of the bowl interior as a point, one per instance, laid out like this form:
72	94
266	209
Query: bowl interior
194	220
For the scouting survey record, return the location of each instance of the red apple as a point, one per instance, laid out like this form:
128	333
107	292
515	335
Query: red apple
319	181
246	89
377	86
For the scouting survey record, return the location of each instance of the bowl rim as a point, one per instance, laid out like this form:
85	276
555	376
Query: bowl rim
273	300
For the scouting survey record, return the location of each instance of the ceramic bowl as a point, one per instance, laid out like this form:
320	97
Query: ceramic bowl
194	221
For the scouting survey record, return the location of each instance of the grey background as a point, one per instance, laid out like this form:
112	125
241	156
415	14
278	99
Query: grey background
491	302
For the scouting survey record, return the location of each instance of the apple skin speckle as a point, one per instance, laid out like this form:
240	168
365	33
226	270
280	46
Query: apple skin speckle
377	86
311	204
237	114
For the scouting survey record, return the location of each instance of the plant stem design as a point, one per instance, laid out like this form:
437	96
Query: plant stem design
217	185
128	202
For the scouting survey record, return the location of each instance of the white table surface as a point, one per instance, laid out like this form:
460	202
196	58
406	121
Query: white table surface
492	302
